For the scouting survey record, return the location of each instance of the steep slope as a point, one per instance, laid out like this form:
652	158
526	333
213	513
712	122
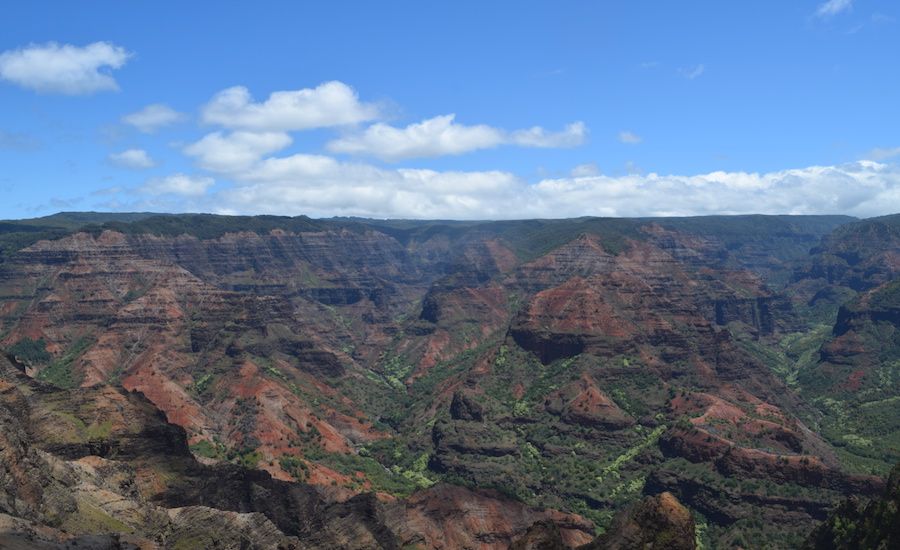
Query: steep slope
619	364
847	365
859	255
875	524
856	379
558	362
102	462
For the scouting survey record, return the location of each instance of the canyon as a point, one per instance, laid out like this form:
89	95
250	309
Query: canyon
195	380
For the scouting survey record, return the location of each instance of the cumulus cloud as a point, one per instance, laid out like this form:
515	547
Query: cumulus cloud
429	138
65	69
571	136
629	137
178	184
863	188
833	7
153	117
883	154
137	159
442	136
323	186
329	104
584	170
235	151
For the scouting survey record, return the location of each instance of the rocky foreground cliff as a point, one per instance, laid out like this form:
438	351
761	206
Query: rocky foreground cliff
355	383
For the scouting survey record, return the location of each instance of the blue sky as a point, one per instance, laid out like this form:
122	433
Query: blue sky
451	109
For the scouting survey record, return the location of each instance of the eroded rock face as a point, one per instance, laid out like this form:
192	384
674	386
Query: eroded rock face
590	301
655	523
543	535
465	407
125	311
658	522
583	403
148	490
560	360
860	255
448	516
855	524
866	331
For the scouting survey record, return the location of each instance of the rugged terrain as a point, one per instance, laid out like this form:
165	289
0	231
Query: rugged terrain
856	524
383	382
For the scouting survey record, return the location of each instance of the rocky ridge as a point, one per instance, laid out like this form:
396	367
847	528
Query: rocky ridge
564	359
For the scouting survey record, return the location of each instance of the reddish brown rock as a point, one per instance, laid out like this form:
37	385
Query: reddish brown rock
660	522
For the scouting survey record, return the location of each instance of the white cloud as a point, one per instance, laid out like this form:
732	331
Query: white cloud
833	7
571	136
329	104
137	159
585	170
153	117
178	184
862	188
629	137
442	136
64	69
691	73
323	186
883	154
236	151
429	138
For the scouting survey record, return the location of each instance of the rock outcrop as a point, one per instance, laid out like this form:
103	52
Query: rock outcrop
567	364
857	524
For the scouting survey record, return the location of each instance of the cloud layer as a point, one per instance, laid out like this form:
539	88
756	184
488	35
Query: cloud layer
884	153
237	151
329	104
64	69
136	159
441	135
319	185
178	184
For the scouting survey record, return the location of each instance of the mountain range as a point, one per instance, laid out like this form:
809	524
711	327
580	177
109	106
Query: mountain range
189	380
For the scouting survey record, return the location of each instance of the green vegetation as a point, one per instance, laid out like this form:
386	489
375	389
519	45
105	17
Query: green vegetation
91	518
866	435
59	372
857	525
700	527
211	226
202	384
204	448
396	370
531	444
294	466
395	480
99	430
248	458
18	234
31	352
613	468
